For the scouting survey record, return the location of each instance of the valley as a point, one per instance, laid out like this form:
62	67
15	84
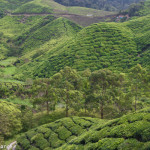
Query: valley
74	77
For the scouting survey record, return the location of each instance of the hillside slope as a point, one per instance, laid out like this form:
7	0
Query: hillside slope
33	7
139	9
98	46
141	30
48	29
81	15
117	46
12	4
128	132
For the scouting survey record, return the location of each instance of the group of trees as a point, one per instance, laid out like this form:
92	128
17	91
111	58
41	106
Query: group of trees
90	90
102	92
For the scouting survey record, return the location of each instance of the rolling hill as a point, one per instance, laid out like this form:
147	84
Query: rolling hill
80	15
48	42
48	28
12	4
128	132
117	46
37	41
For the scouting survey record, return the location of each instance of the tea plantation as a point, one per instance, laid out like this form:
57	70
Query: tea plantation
131	131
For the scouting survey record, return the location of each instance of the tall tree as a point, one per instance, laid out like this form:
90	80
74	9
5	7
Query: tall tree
139	79
86	88
44	93
103	83
68	84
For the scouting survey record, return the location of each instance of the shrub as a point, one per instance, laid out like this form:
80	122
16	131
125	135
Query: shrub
39	141
130	144
109	143
63	133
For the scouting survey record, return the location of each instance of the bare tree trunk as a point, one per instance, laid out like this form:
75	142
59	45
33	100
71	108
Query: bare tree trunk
135	104
47	105
101	110
136	98
67	108
85	107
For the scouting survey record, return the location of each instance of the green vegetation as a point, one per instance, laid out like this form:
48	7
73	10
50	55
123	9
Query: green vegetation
11	4
112	5
10	122
59	28
92	134
52	68
33	7
107	45
139	9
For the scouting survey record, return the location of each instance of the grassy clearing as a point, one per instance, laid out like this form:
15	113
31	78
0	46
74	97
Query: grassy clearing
19	101
7	62
8	70
88	11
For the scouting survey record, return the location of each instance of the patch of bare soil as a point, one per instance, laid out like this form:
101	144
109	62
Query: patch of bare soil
79	19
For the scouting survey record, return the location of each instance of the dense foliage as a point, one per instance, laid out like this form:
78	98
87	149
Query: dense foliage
32	7
51	68
12	4
106	45
139	9
128	132
10	119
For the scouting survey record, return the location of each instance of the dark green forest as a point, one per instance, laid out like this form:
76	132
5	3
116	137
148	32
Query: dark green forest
68	86
109	5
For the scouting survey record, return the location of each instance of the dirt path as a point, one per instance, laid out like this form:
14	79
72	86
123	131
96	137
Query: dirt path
12	146
79	19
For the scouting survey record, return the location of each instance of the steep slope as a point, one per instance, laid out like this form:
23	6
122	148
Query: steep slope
3	46
34	7
141	30
53	28
12	4
128	132
145	9
12	27
139	9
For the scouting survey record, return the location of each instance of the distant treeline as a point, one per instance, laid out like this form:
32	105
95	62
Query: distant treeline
109	5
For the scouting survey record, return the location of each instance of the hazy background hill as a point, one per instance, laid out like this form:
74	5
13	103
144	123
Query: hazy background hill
109	5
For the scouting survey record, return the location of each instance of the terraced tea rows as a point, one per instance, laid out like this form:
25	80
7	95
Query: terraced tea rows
125	133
